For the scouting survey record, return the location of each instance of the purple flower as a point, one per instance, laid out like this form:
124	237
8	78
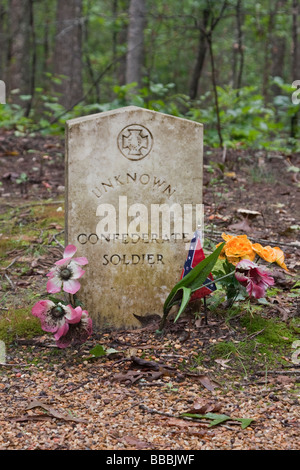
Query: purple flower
256	279
66	272
54	317
76	333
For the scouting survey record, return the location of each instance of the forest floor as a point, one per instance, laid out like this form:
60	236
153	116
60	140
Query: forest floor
133	393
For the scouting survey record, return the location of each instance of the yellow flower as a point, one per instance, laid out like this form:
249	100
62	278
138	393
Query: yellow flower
237	248
265	252
272	255
280	258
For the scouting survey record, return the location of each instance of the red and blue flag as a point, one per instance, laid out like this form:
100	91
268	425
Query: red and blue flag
194	257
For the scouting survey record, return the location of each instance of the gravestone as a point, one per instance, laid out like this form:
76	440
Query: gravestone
133	202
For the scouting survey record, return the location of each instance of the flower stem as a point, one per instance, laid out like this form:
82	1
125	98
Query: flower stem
217	280
71	298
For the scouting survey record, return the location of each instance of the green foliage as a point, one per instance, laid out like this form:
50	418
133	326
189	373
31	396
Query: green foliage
215	418
182	291
100	351
233	289
245	120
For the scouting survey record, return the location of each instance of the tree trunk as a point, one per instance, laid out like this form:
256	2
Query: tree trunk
202	48
68	52
33	59
135	42
268	50
240	49
214	82
295	70
119	40
2	42
19	62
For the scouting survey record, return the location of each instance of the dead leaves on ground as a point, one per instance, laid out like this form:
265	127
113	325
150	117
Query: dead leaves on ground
201	414
48	412
148	371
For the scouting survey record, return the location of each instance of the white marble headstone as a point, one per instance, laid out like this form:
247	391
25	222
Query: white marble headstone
133	201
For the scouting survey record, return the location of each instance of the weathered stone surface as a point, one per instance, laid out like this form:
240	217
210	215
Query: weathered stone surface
120	166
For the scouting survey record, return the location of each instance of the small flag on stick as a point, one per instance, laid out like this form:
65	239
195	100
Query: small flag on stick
194	257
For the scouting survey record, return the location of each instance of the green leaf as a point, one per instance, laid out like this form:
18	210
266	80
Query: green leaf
218	418
99	351
244	422
193	280
186	295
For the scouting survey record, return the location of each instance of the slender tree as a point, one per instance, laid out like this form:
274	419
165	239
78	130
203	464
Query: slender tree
68	51
240	47
295	60
208	33
201	54
18	77
135	42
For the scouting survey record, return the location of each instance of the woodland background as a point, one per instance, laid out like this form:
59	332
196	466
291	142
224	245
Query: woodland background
229	64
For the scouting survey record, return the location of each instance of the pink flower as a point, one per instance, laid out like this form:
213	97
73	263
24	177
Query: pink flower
66	272
55	316
76	333
256	279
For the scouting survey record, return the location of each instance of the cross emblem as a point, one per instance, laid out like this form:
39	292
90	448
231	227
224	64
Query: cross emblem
135	142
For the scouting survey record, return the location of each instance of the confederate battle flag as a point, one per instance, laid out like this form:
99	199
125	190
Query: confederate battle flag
195	255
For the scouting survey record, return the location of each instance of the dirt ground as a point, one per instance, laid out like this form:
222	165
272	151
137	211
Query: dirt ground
67	400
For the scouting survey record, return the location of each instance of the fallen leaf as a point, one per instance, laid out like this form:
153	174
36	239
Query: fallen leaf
133	441
242	226
223	362
205	381
53	412
202	407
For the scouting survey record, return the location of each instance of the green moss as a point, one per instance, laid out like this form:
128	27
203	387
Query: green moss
271	332
47	215
223	349
19	323
266	342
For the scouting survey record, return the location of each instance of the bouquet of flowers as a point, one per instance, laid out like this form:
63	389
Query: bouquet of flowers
65	319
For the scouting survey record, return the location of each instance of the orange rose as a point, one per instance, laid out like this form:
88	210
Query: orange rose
237	248
265	252
280	258
272	255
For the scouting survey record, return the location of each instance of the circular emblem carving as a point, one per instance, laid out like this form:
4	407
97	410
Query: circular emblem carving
135	142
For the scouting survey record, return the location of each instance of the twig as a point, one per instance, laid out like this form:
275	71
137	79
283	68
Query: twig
11	264
57	235
33	204
124	410
276	372
4	364
75	388
163	413
10	281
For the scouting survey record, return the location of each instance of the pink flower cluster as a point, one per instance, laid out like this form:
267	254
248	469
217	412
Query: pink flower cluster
68	323
255	278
